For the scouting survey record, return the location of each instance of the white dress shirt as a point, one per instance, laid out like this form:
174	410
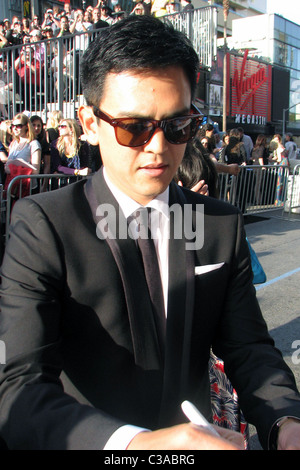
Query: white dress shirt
160	230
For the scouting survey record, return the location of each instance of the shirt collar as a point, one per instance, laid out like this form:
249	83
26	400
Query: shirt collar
129	205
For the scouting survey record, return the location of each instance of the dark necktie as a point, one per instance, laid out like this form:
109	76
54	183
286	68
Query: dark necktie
152	273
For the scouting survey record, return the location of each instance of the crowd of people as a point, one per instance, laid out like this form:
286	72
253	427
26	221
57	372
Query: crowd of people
30	146
237	148
59	22
23	69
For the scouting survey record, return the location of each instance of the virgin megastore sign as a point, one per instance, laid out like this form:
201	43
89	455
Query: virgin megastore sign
250	90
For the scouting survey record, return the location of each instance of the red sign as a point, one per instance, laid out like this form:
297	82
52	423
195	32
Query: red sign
250	94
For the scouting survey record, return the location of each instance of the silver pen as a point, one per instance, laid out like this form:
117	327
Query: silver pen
196	418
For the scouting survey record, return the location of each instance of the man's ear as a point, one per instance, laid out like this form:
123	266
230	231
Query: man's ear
89	124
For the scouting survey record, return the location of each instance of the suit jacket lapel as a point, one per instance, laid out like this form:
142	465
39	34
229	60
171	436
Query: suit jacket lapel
179	319
124	251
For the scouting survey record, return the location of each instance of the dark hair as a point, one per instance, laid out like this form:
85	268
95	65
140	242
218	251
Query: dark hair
197	165
42	133
260	140
135	43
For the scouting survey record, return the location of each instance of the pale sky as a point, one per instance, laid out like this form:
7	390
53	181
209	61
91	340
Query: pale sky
289	9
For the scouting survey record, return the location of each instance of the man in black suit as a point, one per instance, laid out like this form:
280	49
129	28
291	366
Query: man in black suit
88	365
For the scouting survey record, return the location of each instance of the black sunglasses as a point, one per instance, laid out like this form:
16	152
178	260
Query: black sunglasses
18	126
134	132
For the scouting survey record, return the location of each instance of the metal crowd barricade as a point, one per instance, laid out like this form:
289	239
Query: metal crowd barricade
43	76
32	184
256	188
293	195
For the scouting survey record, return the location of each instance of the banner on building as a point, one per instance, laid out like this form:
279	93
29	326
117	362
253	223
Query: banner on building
249	90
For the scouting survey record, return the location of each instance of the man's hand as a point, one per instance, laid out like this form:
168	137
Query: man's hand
289	435
187	437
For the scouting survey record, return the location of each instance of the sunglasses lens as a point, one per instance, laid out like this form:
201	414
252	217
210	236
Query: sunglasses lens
181	130
134	132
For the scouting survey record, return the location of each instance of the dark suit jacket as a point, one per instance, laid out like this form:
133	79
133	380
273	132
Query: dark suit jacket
82	351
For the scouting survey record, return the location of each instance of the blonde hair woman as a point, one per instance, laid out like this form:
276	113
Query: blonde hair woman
52	125
24	148
5	134
69	155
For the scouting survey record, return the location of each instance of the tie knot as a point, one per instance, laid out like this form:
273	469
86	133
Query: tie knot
142	217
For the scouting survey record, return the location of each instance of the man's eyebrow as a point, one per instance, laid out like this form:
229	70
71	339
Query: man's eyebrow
131	114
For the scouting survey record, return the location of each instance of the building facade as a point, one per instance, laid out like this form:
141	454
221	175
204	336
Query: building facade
275	40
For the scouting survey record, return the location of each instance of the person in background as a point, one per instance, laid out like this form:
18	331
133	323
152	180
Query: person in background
64	29
8	32
225	142
68	154
207	131
97	21
218	145
281	157
138	9
186	5
24	157
5	141
18	32
52	130
260	156
260	151
235	151
3	39
26	26
197	171
247	141
105	13
290	146
221	167
35	24
50	20
24	144
29	75
69	12
280	152
36	36
40	135
80	25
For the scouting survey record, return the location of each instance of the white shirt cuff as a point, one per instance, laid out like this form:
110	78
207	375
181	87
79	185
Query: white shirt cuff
121	438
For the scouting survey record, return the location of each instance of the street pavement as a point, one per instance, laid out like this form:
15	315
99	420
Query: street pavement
275	237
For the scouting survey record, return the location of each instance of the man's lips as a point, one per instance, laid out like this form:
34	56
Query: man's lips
154	168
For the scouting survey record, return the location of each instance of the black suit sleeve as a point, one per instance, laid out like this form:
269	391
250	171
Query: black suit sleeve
35	411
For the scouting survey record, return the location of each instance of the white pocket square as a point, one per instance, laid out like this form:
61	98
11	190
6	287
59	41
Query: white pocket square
207	268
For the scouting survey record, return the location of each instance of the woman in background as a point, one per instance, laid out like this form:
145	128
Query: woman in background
24	148
260	153
69	155
53	121
40	134
24	157
5	140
